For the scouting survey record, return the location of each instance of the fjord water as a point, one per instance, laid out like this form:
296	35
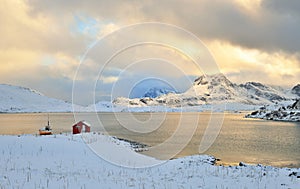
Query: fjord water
249	140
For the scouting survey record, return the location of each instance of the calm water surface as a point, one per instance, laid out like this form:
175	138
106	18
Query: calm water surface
248	140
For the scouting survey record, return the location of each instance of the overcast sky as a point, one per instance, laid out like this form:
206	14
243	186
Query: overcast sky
42	43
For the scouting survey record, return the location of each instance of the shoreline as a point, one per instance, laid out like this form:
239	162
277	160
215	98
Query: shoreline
183	111
234	107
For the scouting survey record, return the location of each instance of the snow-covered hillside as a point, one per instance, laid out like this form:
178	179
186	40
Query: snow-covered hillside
261	91
214	89
20	99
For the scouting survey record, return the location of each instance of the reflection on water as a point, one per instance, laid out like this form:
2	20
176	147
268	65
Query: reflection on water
247	140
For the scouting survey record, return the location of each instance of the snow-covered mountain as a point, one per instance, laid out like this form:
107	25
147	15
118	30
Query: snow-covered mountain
20	99
218	89
206	91
214	89
156	92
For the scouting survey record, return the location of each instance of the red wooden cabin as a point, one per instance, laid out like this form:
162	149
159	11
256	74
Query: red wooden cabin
81	127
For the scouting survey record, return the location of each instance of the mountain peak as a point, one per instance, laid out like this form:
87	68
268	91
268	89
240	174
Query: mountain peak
214	79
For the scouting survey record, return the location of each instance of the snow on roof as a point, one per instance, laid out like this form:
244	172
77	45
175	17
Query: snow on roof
84	122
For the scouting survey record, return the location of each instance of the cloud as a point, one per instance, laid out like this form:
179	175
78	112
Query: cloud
274	21
110	79
39	33
242	65
290	7
43	41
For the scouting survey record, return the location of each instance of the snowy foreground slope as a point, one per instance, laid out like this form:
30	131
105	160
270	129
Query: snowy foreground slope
20	99
65	161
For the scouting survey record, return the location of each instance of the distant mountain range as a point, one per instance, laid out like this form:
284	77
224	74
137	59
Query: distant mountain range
216	89
206	90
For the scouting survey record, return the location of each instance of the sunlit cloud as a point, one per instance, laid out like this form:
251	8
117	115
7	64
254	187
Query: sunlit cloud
107	29
110	79
236	61
44	41
249	6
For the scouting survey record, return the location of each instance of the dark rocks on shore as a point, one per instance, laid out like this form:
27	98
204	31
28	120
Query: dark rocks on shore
284	113
137	146
254	113
296	174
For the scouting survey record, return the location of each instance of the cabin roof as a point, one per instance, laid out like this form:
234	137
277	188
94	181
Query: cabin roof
84	122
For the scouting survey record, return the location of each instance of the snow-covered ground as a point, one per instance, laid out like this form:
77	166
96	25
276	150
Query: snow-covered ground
65	161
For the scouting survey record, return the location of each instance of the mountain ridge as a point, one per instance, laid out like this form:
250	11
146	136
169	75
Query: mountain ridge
214	89
206	90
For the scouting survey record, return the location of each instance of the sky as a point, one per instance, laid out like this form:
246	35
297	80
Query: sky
48	45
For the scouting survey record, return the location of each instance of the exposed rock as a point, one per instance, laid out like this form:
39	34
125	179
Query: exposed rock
254	113
296	105
289	113
201	80
143	101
